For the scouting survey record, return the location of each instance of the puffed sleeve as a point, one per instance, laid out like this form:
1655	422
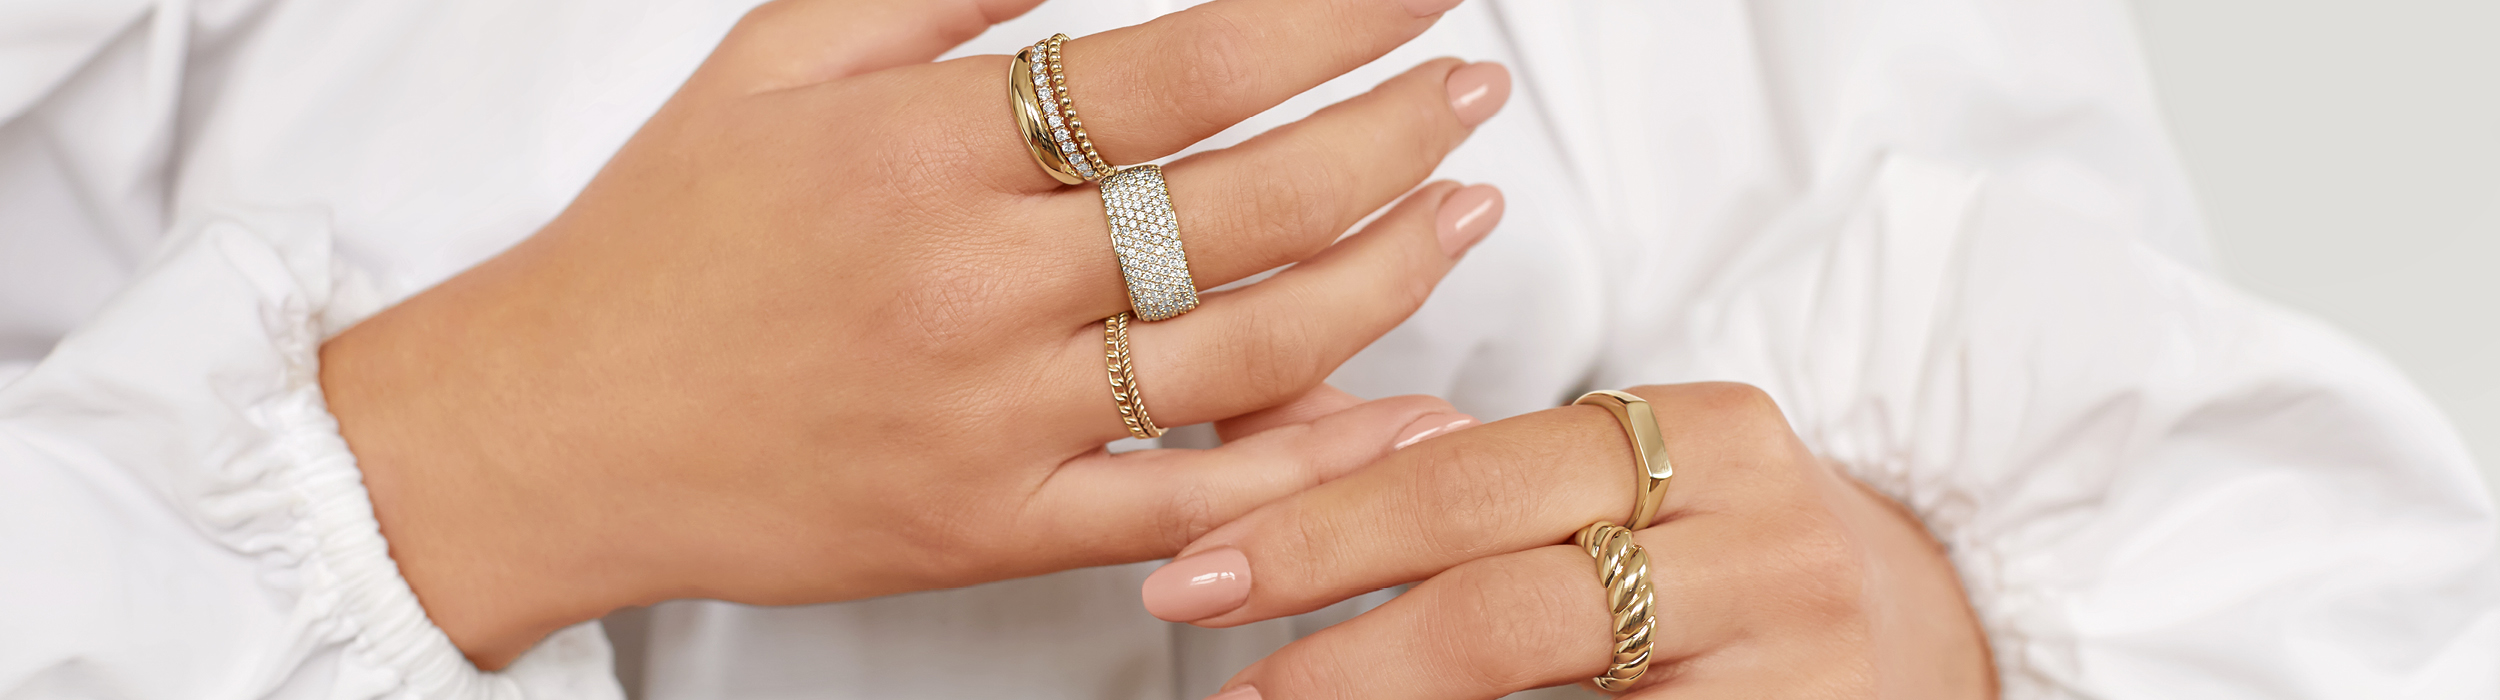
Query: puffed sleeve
2154	486
179	517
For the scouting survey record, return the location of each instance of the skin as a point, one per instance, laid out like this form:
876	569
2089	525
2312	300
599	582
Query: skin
1775	575
822	330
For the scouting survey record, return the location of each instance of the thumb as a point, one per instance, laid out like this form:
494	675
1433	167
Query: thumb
1111	509
792	43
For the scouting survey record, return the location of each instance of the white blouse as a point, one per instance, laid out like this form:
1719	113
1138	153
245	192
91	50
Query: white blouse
1948	235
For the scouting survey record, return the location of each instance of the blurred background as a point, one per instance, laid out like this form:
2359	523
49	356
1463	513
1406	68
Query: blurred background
2347	153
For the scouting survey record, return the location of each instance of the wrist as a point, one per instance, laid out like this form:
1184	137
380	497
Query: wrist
503	542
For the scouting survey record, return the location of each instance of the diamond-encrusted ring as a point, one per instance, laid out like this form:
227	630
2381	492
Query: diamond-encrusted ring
1147	238
1038	82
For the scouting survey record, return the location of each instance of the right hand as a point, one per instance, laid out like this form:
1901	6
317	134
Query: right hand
822	330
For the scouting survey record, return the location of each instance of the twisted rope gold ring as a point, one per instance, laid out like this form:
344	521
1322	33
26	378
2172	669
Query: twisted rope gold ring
1623	568
1124	379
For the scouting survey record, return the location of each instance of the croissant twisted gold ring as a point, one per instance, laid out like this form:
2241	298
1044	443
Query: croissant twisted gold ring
1124	379
1650	468
1623	568
1038	84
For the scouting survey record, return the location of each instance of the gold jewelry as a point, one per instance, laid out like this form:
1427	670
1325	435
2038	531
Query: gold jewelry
1147	237
1036	116
1124	379
1038	83
1651	470
1623	568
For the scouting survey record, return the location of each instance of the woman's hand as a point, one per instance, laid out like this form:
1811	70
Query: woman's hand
823	330
1775	575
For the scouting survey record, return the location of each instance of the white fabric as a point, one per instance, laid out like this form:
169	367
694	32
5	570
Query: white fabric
1947	235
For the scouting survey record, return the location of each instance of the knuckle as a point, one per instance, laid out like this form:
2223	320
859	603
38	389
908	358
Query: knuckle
1746	417
1510	620
1481	503
1272	350
764	15
1741	401
1216	57
959	21
1191	512
1291	218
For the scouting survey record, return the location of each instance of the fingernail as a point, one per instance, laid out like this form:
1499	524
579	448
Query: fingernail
1466	215
1199	586
1428	8
1431	426
1241	693
1477	90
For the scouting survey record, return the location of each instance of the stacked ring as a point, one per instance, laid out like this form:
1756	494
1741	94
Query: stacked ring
1147	238
1124	379
1037	81
1623	568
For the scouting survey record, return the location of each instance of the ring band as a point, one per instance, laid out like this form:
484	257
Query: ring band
1147	238
1623	568
1651	470
1038	83
1124	379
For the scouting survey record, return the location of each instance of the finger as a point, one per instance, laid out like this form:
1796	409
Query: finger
1510	486
1319	401
1105	509
1289	193
1258	346
790	43
1150	90
1539	618
1324	400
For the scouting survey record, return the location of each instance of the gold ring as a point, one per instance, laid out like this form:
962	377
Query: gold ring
1651	470
1623	568
1038	83
1146	236
1124	379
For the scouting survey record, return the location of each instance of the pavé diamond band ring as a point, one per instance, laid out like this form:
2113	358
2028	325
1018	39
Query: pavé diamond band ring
1147	238
1038	84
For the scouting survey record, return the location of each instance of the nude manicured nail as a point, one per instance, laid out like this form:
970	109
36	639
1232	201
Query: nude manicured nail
1477	90
1467	215
1429	427
1199	586
1428	8
1241	693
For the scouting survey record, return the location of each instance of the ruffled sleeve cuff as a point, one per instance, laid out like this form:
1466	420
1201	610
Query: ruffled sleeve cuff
187	422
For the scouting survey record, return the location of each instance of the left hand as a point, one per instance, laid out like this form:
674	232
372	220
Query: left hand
1775	575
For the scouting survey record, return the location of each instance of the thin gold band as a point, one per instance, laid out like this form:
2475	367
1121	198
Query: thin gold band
1124	379
1623	568
1651	470
1037	82
1087	159
1036	117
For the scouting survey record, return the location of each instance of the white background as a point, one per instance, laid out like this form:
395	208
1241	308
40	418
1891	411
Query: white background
2347	153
